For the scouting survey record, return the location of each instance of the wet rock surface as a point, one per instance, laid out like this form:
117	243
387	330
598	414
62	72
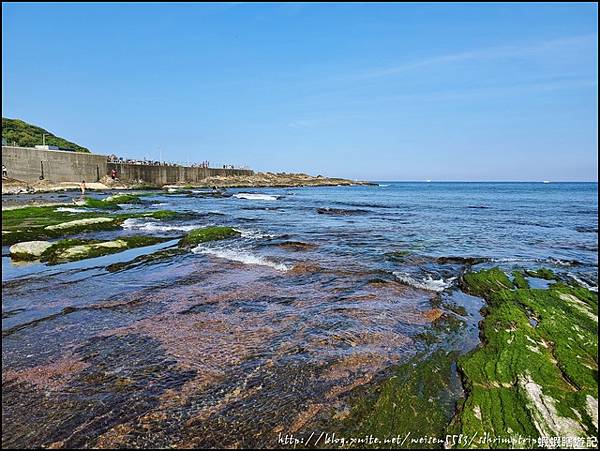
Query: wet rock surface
297	322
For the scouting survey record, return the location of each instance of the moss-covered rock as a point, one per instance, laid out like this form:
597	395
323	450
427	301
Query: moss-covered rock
78	223
205	234
542	273
123	199
157	256
112	202
76	249
483	282
28	250
167	215
519	280
536	373
44	223
100	204
415	401
32	217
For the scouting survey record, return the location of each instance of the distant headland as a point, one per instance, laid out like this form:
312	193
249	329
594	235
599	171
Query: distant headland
35	160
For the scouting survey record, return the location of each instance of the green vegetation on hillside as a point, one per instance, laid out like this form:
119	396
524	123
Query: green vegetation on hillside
27	135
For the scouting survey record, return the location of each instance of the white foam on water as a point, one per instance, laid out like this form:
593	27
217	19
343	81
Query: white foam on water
255	196
382	185
550	260
253	233
241	256
71	210
559	262
205	191
154	225
513	260
428	283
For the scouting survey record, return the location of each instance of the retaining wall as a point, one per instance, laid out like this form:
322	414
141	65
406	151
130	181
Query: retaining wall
29	164
167	175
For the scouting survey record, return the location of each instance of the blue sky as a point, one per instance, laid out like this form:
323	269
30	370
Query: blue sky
369	91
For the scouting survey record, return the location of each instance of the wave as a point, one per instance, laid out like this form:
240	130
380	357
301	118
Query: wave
154	225
560	262
382	185
583	283
255	196
549	260
71	210
427	283
514	260
253	233
240	256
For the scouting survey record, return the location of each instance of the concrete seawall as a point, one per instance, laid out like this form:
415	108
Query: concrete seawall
166	175
31	165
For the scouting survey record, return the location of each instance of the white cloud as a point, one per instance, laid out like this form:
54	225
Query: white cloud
491	53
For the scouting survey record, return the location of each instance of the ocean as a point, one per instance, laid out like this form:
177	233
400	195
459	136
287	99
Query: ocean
323	292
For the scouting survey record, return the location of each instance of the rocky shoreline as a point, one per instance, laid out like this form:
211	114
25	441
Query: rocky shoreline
256	180
505	354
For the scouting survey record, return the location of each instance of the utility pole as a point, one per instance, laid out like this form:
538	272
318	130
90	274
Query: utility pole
43	139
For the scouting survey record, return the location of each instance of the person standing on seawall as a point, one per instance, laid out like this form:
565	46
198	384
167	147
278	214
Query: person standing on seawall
4	172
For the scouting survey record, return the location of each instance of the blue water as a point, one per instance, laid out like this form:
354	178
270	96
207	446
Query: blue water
523	223
326	288
392	230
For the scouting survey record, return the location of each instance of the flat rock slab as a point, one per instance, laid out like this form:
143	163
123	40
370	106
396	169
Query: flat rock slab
30	248
82	250
78	222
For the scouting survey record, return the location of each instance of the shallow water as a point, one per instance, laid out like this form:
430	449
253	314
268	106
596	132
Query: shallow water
238	340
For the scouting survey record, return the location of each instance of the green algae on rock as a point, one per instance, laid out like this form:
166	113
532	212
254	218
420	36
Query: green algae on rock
112	202
205	234
542	273
535	374
29	217
157	256
77	223
416	401
57	231
485	281
123	199
519	280
75	249
43	223
28	250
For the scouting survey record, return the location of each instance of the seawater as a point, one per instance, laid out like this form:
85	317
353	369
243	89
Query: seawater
238	340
